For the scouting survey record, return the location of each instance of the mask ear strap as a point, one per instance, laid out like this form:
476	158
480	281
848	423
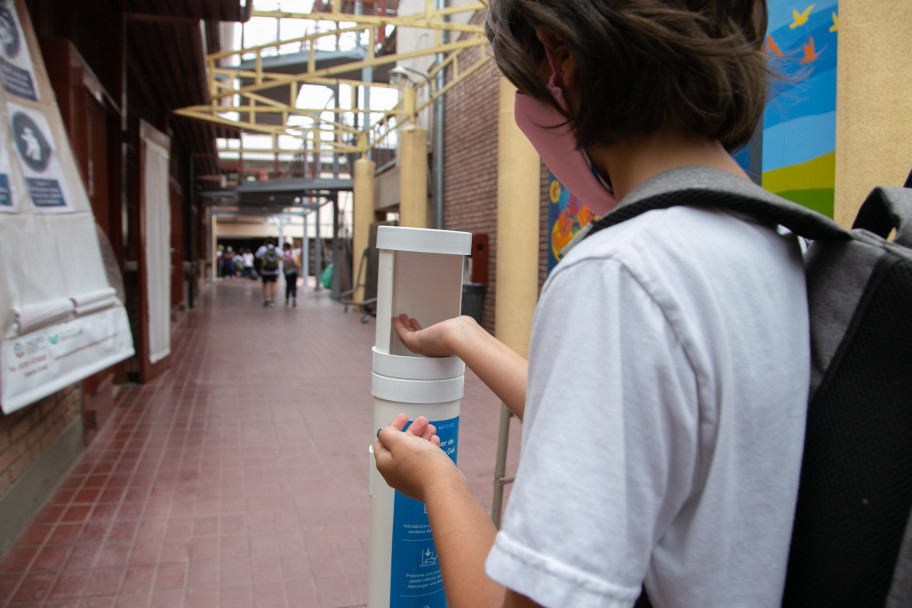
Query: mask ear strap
557	74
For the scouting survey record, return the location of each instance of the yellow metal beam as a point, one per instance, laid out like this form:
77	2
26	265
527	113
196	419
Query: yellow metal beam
305	77
229	96
430	19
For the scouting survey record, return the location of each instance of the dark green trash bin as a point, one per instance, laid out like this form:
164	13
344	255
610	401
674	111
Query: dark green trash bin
472	296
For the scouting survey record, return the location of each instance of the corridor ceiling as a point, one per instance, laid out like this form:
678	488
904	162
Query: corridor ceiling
255	91
167	54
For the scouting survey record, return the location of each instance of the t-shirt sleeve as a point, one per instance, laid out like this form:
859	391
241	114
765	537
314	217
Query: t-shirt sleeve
609	442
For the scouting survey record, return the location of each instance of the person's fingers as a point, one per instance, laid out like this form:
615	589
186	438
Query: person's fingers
387	439
393	428
429	432
418	427
414	324
403	330
399	421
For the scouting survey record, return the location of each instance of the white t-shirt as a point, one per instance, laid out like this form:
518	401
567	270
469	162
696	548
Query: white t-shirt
664	420
261	252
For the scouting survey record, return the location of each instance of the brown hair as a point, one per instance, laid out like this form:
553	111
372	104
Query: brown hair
697	65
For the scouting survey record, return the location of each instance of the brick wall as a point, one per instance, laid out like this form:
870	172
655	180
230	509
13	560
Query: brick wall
470	167
470	170
25	433
544	241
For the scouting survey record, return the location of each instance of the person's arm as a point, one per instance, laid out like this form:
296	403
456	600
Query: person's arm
515	600
498	365
463	532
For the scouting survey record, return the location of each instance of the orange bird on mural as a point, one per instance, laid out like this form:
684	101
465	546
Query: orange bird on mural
772	46
800	18
809	53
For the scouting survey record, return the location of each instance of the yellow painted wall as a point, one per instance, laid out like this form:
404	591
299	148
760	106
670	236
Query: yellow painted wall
363	216
873	100
413	182
517	228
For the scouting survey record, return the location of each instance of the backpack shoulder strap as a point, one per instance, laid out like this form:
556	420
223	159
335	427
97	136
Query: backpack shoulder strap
709	187
901	589
759	204
886	208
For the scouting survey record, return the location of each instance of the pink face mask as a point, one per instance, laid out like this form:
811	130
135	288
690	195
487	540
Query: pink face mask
557	147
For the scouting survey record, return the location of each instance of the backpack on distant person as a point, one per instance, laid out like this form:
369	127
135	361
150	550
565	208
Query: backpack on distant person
290	265
852	538
270	259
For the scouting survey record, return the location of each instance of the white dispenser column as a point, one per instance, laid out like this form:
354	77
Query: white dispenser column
420	274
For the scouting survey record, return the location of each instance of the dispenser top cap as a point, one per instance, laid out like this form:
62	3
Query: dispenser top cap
424	240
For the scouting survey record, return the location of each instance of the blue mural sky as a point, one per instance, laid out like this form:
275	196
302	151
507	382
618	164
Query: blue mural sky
799	122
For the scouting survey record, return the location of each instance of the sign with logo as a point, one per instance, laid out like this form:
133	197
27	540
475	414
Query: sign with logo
7	200
16	70
35	151
416	580
41	362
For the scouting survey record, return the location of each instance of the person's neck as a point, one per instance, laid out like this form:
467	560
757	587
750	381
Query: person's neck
630	163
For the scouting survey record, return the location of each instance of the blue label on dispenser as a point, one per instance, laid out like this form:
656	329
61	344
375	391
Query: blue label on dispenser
415	580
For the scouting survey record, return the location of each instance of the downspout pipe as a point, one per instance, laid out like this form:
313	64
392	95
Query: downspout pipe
439	111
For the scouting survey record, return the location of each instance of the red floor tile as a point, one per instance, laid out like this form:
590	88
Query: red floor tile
238	478
34	586
138	579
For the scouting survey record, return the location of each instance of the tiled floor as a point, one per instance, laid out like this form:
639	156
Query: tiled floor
237	479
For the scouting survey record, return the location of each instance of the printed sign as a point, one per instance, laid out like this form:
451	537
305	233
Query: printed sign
16	70
7	200
35	149
416	580
44	361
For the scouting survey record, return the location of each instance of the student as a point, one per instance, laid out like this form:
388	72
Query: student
290	269
248	263
269	271
663	402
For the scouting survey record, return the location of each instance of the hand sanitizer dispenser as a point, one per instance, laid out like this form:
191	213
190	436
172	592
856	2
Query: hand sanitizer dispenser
420	274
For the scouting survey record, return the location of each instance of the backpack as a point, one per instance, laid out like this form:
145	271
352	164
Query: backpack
852	537
290	265
270	259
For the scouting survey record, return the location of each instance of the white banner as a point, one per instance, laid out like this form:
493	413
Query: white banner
37	364
60	318
157	210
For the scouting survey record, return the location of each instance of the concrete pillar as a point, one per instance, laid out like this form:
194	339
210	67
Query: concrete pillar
873	101
518	182
413	187
363	216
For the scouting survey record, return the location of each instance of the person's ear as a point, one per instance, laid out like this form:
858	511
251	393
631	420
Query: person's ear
558	52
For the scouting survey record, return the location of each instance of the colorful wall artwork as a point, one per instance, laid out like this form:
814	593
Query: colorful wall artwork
566	215
794	153
798	140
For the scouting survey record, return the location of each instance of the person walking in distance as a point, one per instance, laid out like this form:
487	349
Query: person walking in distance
269	263
290	268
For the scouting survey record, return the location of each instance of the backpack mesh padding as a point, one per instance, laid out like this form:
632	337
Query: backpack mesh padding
856	480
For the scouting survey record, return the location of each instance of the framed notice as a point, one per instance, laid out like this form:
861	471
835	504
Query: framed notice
36	152
16	69
7	200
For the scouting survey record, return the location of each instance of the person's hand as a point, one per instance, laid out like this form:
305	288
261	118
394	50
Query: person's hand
433	341
411	461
